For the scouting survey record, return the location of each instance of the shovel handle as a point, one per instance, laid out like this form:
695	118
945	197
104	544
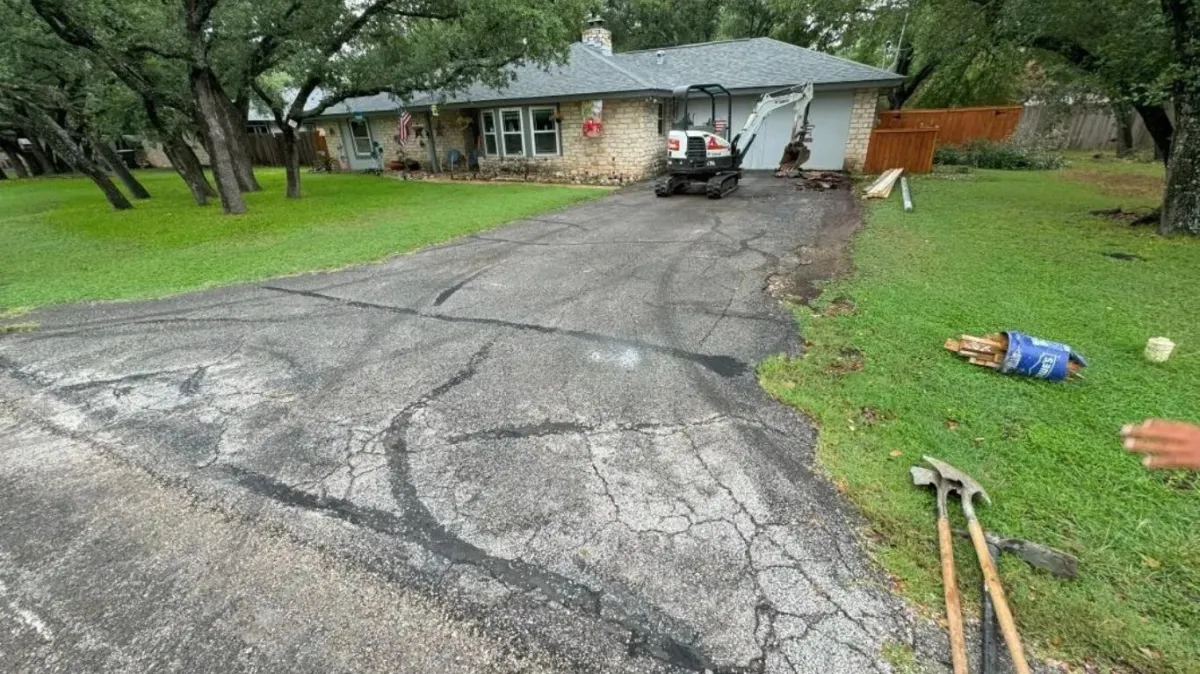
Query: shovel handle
1008	627
958	639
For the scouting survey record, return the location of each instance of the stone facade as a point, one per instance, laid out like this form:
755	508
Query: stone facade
862	121
629	148
597	36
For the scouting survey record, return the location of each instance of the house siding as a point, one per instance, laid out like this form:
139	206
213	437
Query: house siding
863	115
629	148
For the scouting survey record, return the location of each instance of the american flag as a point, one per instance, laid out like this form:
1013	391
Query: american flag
720	125
402	126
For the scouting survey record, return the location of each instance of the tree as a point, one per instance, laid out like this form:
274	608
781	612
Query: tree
643	24
44	94
337	52
1181	203
28	104
1144	53
154	49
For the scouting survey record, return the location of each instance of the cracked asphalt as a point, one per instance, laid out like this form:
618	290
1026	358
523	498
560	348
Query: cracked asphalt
541	448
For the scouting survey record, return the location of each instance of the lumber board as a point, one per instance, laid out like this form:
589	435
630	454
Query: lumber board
883	187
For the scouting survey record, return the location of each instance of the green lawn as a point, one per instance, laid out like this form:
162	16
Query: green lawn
994	251
60	242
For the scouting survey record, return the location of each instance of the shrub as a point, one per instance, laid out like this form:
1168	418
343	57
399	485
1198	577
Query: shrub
992	155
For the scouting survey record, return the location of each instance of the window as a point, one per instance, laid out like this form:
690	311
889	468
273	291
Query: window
361	136
491	144
511	132
662	126
545	130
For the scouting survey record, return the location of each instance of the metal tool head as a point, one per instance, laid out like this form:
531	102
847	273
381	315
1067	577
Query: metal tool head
966	485
924	477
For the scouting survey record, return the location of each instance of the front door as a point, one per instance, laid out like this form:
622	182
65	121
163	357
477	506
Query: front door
359	149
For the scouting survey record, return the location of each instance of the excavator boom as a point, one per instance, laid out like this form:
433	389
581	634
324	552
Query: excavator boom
799	96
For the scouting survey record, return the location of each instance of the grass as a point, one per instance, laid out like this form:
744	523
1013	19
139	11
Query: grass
60	242
1000	250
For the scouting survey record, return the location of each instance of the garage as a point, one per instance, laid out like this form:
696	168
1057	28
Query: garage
829	115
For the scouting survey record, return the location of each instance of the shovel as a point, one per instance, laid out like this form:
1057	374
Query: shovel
958	643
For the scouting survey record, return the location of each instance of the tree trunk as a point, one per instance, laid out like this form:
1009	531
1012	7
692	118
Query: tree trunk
209	116
1181	202
43	164
187	165
183	158
234	121
291	161
65	146
1159	126
117	166
1124	116
13	149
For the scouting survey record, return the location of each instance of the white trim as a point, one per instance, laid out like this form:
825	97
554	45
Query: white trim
519	132
533	131
495	133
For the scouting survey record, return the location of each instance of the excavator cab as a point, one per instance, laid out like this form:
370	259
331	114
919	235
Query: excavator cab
708	153
702	97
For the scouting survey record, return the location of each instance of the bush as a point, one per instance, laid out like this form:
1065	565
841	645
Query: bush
992	155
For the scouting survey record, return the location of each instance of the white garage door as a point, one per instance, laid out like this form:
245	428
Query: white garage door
829	115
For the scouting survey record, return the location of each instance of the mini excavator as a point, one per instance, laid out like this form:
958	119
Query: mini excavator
706	154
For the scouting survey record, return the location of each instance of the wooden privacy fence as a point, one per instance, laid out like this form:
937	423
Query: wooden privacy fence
909	149
266	149
957	125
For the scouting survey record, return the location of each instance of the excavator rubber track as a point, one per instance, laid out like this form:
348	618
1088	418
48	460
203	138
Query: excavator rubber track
666	186
719	186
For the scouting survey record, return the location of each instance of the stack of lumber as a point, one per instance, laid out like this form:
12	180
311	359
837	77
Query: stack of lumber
882	187
987	351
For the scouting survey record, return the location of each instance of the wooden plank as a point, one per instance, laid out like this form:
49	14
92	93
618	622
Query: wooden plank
885	184
891	182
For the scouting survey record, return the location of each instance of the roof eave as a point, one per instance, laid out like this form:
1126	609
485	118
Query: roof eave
534	100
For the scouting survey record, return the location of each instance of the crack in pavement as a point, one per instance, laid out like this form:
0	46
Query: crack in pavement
449	292
725	366
648	628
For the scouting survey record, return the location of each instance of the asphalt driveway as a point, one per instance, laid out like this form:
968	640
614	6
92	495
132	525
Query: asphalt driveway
547	438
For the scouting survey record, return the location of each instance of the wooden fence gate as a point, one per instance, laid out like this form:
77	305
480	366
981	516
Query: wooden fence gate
957	125
909	149
266	149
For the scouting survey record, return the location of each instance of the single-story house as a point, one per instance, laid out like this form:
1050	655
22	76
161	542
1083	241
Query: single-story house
538	124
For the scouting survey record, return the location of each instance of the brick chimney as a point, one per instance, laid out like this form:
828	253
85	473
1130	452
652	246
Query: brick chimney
597	36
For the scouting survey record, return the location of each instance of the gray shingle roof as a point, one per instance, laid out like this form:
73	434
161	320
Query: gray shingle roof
752	63
585	73
376	103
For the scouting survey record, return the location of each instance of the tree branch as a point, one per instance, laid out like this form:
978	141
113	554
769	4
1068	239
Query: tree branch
1075	53
273	104
139	50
